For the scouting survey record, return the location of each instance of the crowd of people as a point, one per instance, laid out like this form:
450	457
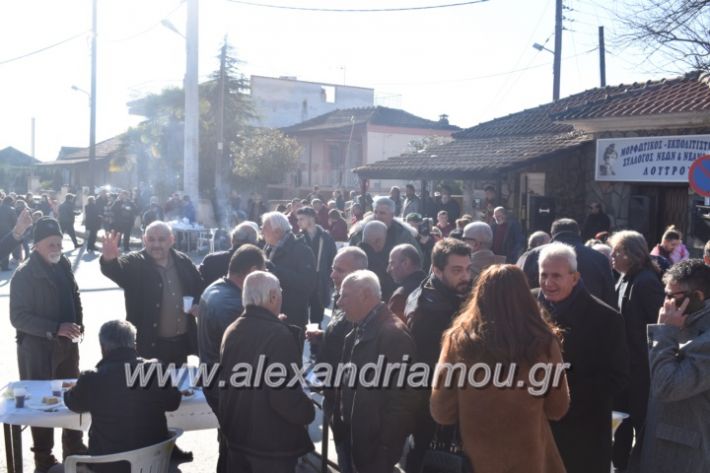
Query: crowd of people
629	324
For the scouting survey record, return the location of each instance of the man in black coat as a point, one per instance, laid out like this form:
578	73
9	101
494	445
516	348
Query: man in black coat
593	266
405	268
323	247
374	239
429	312
265	424
215	265
8	218
67	215
46	311
292	261
123	418
596	221
594	345
92	222
123	216
374	420
155	280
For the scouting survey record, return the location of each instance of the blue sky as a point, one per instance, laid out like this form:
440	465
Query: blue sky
456	61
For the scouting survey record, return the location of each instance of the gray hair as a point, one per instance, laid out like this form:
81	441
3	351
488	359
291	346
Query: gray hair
481	232
557	250
382	200
244	233
372	229
538	238
502	209
258	286
603	249
159	224
276	221
636	248
117	334
365	280
408	251
357	254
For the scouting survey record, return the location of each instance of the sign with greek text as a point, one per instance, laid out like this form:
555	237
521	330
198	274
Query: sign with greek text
649	159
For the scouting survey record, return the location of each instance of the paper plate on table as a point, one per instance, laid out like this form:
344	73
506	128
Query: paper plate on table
39	405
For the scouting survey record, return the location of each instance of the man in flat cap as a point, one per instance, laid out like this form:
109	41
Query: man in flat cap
45	309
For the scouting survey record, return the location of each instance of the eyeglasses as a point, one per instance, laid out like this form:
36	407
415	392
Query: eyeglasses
671	295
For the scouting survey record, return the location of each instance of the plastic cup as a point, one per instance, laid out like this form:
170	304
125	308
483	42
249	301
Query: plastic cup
312	327
20	395
187	304
56	388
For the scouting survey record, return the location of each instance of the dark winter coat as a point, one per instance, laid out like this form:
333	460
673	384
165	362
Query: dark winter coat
594	344
513	241
381	418
216	265
67	214
398	301
594	224
35	307
592	265
136	274
294	264
92	216
122	418
640	298
263	421
323	247
123	215
8	218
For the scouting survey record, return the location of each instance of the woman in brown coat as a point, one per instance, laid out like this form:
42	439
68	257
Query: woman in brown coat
503	429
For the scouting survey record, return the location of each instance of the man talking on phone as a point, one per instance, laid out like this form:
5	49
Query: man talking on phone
677	433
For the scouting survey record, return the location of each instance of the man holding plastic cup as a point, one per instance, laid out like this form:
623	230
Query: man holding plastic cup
162	287
45	309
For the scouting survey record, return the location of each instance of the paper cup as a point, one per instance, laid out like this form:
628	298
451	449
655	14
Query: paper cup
187	304
312	327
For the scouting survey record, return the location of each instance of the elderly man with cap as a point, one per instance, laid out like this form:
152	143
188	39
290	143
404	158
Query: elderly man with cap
45	309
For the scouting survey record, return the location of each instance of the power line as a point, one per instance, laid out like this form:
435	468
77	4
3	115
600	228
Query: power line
37	51
150	28
356	10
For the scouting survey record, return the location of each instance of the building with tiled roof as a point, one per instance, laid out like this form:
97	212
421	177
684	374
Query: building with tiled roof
15	169
334	143
585	147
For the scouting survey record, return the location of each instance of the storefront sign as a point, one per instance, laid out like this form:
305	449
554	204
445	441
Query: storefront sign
649	159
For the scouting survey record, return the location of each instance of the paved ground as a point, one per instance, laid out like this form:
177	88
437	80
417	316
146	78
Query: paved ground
102	301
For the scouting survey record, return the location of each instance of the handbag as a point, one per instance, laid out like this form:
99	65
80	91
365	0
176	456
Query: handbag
444	456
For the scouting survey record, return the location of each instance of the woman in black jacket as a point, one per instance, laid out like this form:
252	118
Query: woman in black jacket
640	295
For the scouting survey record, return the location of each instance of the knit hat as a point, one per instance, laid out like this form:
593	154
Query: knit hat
46	227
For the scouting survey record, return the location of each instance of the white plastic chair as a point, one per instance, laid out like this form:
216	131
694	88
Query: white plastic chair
153	459
205	242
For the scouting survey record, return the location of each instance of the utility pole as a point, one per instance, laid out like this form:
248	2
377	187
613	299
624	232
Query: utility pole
602	58
219	171
192	118
557	65
92	113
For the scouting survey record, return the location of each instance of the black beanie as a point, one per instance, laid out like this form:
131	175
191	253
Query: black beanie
46	227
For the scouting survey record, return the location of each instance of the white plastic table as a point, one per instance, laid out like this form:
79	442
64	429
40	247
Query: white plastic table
193	414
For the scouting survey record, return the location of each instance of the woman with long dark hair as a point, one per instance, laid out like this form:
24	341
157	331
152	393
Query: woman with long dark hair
640	296
503	428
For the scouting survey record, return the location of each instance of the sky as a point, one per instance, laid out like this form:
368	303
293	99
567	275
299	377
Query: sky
473	62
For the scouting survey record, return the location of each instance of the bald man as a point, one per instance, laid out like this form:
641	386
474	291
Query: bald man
154	280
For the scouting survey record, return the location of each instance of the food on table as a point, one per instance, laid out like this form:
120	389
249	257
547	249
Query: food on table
50	400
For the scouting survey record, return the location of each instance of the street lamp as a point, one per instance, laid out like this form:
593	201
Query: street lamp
541	47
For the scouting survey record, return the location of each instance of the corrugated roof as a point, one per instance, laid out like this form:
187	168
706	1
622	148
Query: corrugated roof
345	118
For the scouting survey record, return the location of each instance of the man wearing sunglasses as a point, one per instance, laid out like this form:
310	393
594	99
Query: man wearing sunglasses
677	432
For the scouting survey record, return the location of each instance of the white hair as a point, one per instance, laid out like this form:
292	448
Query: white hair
480	231
244	233
382	200
258	287
603	249
373	229
357	254
276	221
365	280
253	225
557	250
